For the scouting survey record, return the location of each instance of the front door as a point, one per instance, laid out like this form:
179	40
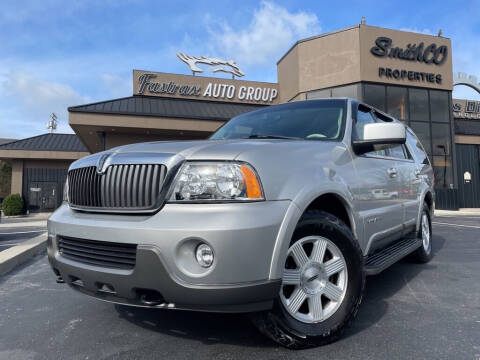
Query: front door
468	162
42	196
376	190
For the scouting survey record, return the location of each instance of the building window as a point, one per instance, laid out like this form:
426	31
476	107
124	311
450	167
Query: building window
397	102
441	139
418	100
351	91
374	95
442	166
422	130
439	108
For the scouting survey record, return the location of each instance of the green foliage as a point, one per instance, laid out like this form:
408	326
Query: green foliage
5	178
12	205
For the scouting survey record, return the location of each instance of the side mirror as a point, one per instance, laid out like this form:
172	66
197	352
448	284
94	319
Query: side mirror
379	135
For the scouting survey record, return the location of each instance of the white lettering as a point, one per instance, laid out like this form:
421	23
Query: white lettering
230	92
208	90
216	90
258	94
242	92
273	95
250	91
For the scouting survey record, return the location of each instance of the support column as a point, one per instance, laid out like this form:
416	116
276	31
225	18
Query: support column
17	177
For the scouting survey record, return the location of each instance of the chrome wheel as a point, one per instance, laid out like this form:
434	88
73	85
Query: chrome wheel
426	233
314	279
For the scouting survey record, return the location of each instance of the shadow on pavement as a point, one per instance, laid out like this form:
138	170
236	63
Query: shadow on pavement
209	328
379	288
236	329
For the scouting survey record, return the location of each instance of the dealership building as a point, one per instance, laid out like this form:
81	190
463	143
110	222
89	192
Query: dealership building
405	74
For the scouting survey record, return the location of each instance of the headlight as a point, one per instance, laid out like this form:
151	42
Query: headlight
216	181
65	191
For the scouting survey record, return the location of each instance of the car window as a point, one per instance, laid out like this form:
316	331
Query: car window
397	152
364	116
310	120
416	148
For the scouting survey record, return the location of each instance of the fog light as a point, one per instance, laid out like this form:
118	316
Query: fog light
204	255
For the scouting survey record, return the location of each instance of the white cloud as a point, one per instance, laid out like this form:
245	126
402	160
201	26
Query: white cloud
116	86
34	99
271	31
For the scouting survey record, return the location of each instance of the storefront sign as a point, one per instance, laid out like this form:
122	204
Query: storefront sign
431	54
419	53
466	109
203	88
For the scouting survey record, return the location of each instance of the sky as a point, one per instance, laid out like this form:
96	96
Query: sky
55	54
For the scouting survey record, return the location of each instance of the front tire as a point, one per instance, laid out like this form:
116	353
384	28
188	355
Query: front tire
322	285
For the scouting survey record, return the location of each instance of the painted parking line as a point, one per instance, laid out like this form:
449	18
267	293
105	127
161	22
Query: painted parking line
23	232
457	225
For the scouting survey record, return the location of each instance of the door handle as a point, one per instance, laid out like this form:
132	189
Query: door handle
392	172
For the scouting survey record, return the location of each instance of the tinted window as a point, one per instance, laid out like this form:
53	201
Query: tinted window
397	152
418	99
439	106
422	130
416	149
364	116
315	120
374	95
397	102
441	139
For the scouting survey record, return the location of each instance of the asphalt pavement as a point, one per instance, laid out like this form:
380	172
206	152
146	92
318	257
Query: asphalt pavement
410	311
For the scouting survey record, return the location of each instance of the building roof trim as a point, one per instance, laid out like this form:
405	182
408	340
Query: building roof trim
47	142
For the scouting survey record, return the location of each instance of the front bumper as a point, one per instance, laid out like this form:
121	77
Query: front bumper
243	237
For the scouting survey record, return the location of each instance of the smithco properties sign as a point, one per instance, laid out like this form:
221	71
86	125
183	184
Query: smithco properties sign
203	88
431	54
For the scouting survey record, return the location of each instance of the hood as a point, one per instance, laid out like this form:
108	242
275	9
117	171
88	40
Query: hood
166	152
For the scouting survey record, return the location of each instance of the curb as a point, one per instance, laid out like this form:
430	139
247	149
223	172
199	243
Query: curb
21	253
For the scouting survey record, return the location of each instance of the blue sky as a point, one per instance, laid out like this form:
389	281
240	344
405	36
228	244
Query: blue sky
55	54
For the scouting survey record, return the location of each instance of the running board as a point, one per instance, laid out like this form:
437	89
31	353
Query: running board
382	259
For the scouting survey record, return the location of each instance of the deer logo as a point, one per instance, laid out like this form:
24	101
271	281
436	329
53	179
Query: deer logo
230	66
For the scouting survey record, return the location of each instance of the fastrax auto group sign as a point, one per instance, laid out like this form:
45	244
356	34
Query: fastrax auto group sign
203	88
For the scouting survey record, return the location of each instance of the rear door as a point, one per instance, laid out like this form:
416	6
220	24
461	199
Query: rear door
376	189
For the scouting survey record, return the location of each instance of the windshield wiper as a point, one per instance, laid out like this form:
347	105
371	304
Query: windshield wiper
259	136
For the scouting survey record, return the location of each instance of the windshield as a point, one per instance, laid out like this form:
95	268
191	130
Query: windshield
311	120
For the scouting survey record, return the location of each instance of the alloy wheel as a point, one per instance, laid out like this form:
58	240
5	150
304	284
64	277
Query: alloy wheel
314	279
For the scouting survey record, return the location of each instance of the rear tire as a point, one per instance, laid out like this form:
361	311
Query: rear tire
326	286
424	253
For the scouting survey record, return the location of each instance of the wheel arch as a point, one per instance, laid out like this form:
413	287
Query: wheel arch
332	202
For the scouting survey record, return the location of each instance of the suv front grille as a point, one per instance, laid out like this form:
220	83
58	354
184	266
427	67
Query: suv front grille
99	253
121	187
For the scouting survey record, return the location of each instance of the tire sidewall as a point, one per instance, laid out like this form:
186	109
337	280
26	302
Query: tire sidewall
331	228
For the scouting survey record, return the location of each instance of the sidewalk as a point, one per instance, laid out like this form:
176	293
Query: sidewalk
34	219
461	212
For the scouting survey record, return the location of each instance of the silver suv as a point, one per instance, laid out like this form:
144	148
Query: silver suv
281	213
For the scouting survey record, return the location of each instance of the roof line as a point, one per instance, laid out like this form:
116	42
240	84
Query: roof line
97	102
31	137
77	108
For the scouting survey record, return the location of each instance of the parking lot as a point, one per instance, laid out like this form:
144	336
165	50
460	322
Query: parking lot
409	311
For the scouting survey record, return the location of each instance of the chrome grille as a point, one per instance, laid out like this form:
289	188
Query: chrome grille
121	187
100	253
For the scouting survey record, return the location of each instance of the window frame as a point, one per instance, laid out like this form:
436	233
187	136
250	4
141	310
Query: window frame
377	117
